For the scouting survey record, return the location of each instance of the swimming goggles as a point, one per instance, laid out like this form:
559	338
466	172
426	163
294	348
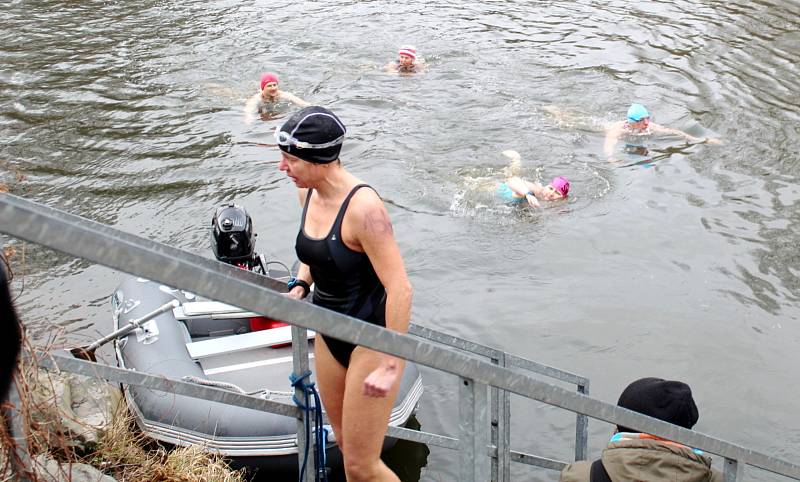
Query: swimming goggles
286	139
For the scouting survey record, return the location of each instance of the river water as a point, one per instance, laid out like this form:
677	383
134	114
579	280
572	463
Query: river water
681	265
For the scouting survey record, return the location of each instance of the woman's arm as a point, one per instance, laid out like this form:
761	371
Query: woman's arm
528	190
303	272
289	97
659	129
375	234
613	132
251	108
668	131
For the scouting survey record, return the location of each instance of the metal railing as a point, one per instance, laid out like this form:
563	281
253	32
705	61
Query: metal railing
104	245
500	406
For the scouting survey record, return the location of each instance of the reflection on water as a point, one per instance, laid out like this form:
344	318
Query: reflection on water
407	459
130	113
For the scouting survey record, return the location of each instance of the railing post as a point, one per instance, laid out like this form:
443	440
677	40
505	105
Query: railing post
495	421
501	429
582	427
482	432
733	471
466	430
300	366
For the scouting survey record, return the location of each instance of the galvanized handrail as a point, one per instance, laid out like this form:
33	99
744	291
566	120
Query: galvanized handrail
129	253
500	410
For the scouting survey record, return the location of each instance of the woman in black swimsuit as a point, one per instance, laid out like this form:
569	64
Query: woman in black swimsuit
347	249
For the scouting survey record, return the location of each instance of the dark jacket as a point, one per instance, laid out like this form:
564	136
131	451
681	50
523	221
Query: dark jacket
645	459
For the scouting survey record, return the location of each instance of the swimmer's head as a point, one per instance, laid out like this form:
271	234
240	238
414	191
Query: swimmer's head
268	78
313	134
637	112
557	189
407	55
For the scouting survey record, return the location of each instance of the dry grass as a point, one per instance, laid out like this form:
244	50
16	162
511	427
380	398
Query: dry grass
122	453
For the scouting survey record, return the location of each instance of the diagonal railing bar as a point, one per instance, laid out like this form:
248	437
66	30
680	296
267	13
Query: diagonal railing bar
120	236
67	363
128	253
489	352
163	384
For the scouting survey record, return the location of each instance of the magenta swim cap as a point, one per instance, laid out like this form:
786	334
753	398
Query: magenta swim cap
268	77
561	185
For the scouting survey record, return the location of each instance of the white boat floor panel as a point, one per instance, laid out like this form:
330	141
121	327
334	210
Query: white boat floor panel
256	369
246	341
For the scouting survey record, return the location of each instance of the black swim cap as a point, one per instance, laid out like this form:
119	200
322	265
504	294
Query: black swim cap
313	134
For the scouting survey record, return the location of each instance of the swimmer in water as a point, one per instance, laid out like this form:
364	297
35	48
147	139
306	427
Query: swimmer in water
269	94
516	190
407	61
637	125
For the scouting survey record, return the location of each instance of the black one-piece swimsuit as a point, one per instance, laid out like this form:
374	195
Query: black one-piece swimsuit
344	280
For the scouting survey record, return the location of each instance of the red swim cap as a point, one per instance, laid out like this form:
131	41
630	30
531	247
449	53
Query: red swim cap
268	77
408	51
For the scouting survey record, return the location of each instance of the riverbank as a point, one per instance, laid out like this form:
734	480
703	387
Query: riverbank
79	429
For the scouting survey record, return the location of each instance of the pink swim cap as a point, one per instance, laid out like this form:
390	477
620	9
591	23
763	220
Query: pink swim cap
561	185
268	77
408	50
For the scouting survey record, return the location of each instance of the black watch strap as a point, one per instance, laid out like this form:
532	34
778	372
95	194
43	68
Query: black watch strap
299	282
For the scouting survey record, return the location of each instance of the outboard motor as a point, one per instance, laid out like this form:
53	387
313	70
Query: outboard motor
234	242
232	237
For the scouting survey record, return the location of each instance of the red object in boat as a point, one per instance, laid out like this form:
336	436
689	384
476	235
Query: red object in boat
259	323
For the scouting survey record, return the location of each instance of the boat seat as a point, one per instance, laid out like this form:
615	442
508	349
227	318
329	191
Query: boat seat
234	343
247	341
210	309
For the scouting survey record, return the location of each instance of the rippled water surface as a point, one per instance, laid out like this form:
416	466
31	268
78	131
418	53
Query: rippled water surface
681	265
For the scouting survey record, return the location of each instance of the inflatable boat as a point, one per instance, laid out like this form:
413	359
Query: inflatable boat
211	343
215	344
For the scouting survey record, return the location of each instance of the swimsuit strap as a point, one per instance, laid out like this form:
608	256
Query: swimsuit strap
305	208
337	224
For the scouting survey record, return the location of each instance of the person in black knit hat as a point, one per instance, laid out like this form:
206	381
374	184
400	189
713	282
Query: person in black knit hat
665	400
633	456
347	250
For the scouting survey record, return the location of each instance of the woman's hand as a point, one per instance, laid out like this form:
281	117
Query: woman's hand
532	200
379	383
296	293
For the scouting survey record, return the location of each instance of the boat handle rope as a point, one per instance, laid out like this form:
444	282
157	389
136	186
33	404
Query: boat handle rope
214	383
264	393
320	432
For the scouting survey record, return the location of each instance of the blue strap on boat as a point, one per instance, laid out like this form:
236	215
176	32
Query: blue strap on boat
320	432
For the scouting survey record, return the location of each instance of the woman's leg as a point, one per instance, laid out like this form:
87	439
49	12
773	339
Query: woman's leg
331	383
364	421
515	166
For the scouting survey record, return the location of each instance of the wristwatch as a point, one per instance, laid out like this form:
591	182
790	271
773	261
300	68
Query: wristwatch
299	282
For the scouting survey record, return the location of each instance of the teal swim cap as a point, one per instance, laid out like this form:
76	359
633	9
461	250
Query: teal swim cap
637	112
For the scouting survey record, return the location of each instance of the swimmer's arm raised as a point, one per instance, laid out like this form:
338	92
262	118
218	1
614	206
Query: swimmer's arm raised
375	234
